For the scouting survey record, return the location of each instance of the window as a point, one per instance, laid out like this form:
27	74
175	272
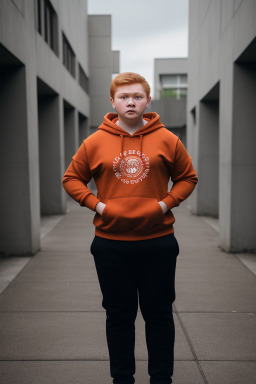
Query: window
173	86
83	80
46	23
183	79
173	93
69	59
50	25
169	81
38	16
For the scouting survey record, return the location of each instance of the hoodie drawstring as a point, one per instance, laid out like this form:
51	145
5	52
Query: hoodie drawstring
141	137
122	145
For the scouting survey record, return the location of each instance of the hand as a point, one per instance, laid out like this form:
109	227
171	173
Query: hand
100	207
163	206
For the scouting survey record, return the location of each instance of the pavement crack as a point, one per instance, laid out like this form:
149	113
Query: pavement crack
191	346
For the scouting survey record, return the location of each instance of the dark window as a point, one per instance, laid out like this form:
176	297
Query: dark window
83	80
69	59
46	23
38	16
49	22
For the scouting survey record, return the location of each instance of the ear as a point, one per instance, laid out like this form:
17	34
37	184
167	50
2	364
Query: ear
149	98
112	102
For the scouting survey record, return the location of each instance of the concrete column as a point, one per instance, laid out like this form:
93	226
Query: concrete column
208	159
192	146
83	128
15	219
51	153
70	136
225	188
243	205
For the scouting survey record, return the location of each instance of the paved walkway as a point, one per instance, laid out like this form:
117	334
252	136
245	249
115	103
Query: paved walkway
52	324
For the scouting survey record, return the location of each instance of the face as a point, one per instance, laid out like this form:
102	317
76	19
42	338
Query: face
130	101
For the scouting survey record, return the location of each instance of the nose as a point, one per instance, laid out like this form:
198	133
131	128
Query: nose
130	101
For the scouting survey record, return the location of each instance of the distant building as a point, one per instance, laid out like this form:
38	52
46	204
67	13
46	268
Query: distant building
103	63
56	66
221	116
170	78
170	91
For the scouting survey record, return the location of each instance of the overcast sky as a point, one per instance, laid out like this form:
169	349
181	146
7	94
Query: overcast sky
145	29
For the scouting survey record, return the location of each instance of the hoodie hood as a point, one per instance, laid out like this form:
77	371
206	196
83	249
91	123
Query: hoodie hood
109	125
110	119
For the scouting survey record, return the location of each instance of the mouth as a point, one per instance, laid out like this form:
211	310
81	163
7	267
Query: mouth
130	111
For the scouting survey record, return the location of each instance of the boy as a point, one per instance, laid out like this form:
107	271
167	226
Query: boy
131	157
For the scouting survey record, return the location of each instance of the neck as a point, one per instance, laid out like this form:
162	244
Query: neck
131	127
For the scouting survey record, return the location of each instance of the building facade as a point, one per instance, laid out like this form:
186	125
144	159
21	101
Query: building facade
170	94
47	107
103	64
221	116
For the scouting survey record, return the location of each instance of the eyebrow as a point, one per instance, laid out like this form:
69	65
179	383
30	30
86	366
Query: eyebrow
127	93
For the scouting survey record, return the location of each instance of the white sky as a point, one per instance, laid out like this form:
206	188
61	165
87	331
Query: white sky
143	30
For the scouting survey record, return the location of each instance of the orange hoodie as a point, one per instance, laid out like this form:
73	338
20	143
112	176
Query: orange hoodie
131	173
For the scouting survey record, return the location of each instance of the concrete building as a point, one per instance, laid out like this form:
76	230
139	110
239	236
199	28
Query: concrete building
170	78
221	116
103	64
47	53
170	91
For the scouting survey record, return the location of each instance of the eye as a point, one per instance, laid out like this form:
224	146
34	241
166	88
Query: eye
138	97
123	97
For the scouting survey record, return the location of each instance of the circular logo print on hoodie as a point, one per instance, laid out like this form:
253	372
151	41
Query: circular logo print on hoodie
132	167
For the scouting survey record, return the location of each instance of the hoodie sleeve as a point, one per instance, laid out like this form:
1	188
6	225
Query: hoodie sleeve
76	178
183	176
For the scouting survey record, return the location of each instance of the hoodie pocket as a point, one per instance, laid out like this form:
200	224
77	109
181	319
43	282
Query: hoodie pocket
135	214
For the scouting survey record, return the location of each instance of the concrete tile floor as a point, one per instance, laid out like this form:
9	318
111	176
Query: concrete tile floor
52	324
10	267
81	372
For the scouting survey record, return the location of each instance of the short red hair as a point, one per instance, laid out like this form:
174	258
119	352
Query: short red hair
128	78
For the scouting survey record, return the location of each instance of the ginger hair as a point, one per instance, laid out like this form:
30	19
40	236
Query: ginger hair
127	78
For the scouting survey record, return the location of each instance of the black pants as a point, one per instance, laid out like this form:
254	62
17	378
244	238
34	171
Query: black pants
126	269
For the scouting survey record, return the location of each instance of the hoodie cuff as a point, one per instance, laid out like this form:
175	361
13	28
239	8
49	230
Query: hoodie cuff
90	202
170	202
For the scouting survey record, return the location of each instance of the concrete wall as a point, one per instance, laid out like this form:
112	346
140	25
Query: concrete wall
15	196
103	63
172	114
222	54
38	135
